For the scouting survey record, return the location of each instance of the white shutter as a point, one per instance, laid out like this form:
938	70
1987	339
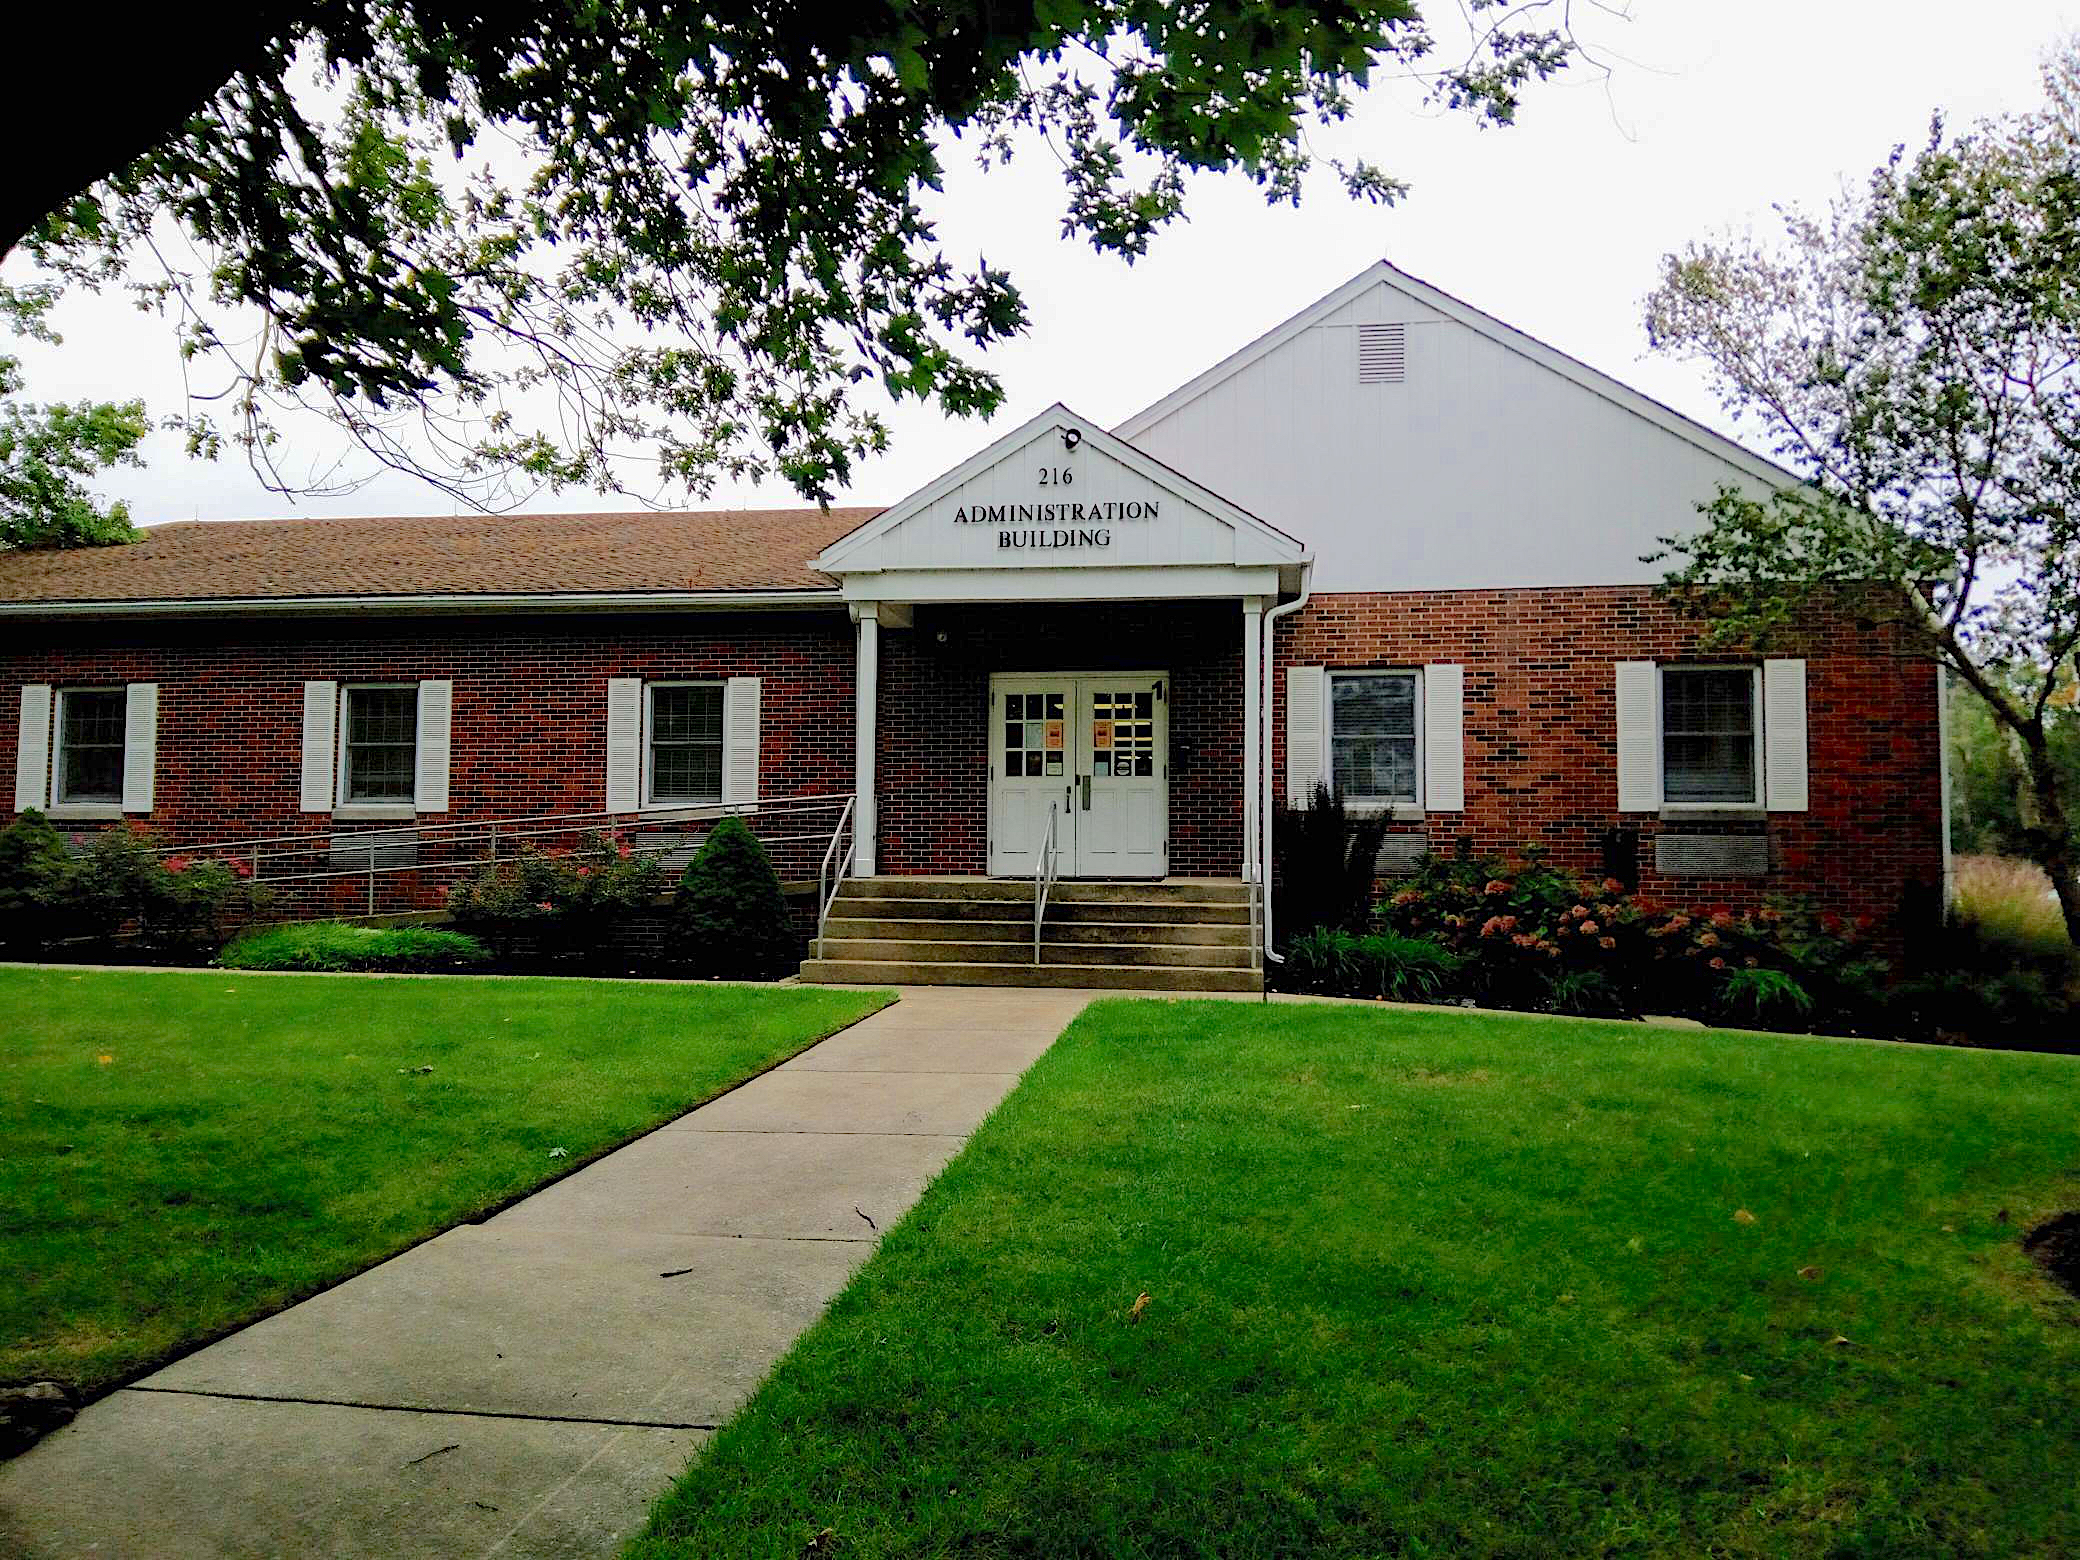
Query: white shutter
1444	738
140	746
1639	737
740	740
624	744
320	730
1304	734
32	749
436	714
1784	735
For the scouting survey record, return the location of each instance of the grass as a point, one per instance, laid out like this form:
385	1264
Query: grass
1431	1284
185	1151
2010	903
337	945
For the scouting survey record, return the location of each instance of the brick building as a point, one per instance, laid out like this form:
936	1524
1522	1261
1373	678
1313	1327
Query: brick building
1393	545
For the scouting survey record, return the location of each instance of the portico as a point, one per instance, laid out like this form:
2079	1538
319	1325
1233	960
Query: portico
1061	633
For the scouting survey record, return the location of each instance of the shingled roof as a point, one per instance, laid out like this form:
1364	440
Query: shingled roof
445	555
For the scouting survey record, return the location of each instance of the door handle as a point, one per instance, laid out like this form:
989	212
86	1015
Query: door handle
1085	782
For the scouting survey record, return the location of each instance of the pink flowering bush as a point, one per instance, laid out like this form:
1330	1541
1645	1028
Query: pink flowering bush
562	902
1532	935
114	883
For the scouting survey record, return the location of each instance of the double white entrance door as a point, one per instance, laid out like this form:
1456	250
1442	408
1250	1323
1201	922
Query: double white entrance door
1094	746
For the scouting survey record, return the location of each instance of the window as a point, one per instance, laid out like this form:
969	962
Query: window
90	726
1708	736
685	746
1372	736
379	745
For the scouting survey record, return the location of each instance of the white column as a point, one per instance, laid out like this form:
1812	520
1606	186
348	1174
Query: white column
1252	725
866	679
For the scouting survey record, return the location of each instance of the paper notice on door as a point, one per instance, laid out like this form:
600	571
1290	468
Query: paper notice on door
1054	735
1101	733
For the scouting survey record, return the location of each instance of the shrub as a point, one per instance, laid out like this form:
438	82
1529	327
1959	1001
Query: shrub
562	904
1535	936
2002	901
1334	962
36	875
114	882
1326	864
732	913
1764	999
335	945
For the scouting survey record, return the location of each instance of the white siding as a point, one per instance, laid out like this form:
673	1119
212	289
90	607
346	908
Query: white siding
1483	469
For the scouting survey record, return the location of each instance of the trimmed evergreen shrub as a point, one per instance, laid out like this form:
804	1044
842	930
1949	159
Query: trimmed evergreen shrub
733	918
37	871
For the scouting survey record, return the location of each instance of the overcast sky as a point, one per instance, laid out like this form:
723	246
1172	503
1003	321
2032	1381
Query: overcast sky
1717	110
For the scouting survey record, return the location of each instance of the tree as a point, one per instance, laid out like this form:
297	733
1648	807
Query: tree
1989	785
1914	353
733	917
543	237
48	453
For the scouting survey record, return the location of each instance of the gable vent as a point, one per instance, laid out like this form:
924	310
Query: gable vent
1382	354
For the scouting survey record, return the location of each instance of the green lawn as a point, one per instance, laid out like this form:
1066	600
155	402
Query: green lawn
183	1151
1432	1284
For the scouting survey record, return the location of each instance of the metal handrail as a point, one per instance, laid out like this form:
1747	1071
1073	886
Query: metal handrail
1044	863
352	848
688	812
823	873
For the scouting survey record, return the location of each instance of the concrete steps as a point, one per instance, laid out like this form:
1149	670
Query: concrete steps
1181	935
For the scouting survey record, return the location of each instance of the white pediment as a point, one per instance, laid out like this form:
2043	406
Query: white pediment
1060	494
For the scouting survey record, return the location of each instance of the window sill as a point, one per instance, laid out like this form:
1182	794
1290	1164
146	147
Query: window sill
375	812
1393	812
1713	812
84	812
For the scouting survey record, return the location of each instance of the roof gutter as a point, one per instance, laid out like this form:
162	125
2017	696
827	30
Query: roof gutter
450	603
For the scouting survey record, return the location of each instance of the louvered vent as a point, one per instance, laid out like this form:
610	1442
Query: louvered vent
1382	354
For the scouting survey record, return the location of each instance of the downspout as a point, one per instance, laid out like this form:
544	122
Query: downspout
1269	660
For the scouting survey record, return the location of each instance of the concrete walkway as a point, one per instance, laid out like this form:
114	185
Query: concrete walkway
529	1385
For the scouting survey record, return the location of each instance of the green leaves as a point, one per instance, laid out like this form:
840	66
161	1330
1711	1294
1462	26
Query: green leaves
467	245
1914	353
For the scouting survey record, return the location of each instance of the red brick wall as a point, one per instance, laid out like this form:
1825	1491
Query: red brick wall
933	765
1541	730
530	718
529	724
